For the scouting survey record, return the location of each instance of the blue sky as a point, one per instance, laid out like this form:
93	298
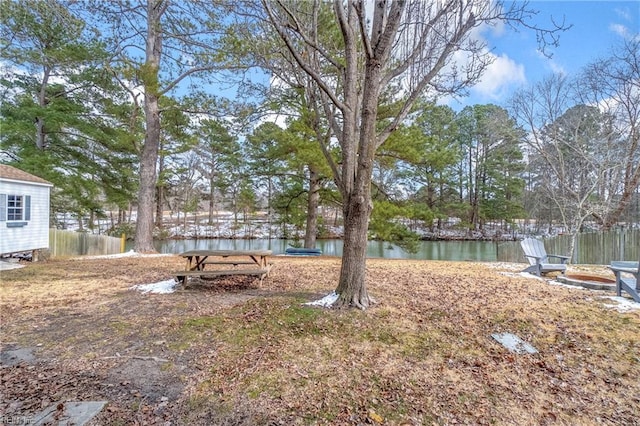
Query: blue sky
597	27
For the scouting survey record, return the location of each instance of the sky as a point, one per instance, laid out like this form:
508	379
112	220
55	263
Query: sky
598	26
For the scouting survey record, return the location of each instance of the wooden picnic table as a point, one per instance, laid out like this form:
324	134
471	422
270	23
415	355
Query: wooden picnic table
226	263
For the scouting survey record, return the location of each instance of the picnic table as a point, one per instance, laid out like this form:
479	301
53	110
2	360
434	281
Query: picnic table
225	263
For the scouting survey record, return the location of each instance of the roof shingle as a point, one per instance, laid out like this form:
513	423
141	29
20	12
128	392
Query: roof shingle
9	172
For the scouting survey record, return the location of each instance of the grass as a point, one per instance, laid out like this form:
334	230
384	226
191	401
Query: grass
423	355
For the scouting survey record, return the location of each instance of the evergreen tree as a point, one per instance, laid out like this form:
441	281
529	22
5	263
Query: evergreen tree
220	155
490	141
158	45
83	138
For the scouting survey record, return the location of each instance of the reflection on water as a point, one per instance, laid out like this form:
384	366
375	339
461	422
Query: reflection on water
429	250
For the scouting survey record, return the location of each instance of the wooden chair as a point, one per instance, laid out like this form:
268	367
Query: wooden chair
629	284
538	258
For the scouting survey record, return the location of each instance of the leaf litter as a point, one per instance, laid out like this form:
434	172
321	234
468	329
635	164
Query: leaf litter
242	354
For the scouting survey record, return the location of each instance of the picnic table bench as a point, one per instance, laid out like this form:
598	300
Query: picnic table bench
197	260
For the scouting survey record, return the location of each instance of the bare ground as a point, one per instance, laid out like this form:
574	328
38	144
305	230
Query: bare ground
231	353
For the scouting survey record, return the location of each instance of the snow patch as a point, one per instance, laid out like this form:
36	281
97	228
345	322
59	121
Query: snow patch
623	304
325	302
162	287
514	343
6	265
129	253
508	266
521	274
575	287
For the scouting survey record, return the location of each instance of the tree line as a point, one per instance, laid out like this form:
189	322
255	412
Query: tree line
159	104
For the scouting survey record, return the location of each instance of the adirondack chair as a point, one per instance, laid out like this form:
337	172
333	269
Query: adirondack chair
628	284
538	258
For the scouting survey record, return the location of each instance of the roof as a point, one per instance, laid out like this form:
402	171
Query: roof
11	173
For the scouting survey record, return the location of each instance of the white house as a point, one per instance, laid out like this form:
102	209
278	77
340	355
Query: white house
24	211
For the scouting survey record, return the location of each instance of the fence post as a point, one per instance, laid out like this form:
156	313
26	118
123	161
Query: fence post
123	241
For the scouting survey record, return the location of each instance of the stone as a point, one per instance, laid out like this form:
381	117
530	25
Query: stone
514	343
69	413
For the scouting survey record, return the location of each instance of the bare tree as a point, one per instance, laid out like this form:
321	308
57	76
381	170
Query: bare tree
571	150
187	188
613	84
370	46
584	138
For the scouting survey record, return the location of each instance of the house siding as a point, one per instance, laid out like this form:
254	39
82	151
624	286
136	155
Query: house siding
33	232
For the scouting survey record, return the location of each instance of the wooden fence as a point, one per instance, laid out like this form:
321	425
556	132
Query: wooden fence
597	248
70	243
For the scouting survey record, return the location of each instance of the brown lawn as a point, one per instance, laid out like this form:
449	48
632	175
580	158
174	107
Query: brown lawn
228	352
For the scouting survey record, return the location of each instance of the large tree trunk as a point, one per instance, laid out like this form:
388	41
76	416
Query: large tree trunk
144	223
352	287
41	136
357	209
160	193
312	209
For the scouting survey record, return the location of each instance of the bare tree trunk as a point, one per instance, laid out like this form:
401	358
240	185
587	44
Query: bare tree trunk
159	205
630	187
160	194
312	209
357	208
144	223
352	288
41	136
269	212
211	201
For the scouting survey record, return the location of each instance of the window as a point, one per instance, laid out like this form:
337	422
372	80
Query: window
15	208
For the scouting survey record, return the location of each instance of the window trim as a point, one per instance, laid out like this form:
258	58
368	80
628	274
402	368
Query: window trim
24	209
15	208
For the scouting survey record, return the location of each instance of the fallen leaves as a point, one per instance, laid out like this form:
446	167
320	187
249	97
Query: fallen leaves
248	355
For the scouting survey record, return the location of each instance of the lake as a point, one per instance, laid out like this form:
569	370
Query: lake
484	251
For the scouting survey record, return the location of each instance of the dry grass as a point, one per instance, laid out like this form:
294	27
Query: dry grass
248	355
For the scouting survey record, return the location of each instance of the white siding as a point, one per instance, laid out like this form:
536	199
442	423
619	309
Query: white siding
35	233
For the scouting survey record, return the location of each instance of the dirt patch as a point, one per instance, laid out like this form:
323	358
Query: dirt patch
148	378
231	352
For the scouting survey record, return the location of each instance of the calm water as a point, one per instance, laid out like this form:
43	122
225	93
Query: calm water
428	250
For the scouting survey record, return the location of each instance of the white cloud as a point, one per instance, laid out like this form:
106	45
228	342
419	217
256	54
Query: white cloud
619	29
557	68
624	32
624	14
499	78
496	29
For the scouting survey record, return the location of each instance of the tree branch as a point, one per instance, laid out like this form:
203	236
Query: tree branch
296	55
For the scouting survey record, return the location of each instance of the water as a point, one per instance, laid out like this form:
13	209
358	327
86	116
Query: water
484	251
